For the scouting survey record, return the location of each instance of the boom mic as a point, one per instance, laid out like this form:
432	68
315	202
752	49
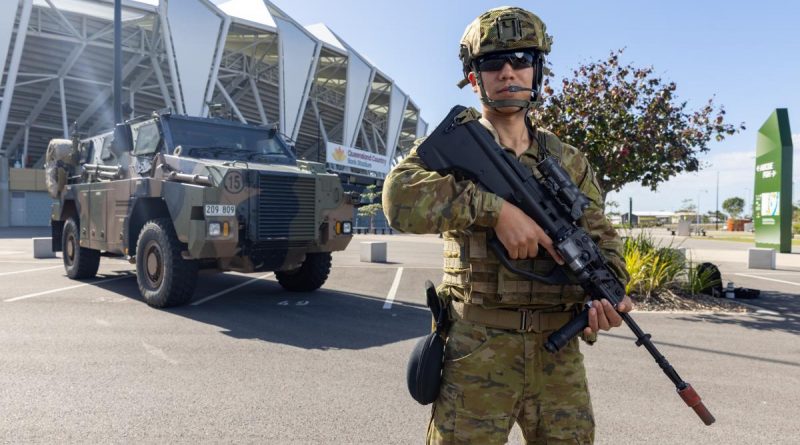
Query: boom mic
515	88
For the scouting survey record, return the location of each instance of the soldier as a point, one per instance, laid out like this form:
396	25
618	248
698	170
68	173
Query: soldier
496	370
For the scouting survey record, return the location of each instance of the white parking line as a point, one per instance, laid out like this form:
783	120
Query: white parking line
218	294
767	279
393	290
25	297
41	261
29	270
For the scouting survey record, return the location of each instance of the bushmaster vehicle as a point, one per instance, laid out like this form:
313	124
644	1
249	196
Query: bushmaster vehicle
175	194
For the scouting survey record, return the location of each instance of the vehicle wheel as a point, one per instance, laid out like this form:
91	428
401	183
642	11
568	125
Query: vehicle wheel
79	262
311	275
165	279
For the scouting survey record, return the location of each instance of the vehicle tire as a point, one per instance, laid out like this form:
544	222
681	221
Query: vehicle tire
79	262
311	275
165	279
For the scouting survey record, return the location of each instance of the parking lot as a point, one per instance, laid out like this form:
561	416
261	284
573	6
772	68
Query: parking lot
246	362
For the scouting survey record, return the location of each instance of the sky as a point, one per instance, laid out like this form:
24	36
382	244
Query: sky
744	54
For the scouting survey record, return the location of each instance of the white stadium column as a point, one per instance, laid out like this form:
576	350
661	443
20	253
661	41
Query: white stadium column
9	12
197	31
422	128
397	108
299	54
253	12
359	85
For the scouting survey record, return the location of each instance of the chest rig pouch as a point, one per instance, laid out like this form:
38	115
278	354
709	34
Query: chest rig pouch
475	274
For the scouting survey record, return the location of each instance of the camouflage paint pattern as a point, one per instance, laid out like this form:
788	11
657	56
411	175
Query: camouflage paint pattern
494	378
483	35
107	208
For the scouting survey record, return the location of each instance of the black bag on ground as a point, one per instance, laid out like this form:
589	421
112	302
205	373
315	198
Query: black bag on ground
746	293
715	284
424	371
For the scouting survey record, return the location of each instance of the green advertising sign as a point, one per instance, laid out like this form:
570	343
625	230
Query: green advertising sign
772	201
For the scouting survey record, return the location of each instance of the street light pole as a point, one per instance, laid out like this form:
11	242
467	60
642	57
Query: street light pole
716	216
697	215
117	61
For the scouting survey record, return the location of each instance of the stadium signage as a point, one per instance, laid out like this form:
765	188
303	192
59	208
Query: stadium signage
352	157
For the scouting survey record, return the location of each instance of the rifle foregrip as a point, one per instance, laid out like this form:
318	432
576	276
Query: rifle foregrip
561	337
689	395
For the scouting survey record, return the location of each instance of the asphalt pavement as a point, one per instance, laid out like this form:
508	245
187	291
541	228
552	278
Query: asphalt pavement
87	361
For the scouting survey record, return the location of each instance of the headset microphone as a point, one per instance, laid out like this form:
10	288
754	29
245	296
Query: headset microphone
515	88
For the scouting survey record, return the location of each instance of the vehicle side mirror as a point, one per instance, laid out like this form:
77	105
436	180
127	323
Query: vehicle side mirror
123	140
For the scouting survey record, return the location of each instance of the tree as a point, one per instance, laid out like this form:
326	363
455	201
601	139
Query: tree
716	214
371	208
612	208
734	206
687	205
630	123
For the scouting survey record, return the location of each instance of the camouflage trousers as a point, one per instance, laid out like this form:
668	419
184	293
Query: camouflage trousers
493	378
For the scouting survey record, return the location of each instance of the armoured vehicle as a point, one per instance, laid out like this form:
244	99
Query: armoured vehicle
174	194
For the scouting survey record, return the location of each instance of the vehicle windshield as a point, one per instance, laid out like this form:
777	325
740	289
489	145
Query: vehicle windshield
221	141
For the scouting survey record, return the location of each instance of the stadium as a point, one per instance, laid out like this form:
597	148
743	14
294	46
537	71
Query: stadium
242	59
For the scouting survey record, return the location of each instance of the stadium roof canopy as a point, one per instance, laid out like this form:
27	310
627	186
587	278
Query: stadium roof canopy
249	56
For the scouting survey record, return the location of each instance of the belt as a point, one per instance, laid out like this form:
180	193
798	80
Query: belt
519	320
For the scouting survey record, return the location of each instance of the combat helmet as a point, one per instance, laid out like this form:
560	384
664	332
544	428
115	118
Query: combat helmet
505	29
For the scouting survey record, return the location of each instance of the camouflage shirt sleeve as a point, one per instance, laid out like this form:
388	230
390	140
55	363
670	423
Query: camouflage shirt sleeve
594	220
416	200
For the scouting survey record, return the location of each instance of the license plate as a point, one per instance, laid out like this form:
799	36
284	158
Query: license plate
220	210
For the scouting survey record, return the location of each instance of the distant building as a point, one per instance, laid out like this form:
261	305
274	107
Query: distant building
648	218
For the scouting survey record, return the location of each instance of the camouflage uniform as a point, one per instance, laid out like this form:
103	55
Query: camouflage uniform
494	377
496	370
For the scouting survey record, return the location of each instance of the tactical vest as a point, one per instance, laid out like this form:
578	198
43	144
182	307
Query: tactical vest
474	275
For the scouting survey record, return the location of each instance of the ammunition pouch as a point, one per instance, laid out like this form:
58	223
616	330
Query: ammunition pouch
424	370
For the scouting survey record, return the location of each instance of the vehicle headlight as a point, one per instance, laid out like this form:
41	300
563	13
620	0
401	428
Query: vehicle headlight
344	228
214	229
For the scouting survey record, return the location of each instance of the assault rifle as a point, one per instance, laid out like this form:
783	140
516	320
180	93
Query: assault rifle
463	145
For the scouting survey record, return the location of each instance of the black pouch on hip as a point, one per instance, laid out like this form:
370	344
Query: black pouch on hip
424	371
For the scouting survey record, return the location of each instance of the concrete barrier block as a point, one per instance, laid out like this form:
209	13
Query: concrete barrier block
373	251
758	258
684	228
43	248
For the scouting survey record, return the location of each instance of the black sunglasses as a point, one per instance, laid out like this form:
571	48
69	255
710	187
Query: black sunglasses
496	61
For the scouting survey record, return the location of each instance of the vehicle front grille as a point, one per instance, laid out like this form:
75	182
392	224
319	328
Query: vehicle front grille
286	208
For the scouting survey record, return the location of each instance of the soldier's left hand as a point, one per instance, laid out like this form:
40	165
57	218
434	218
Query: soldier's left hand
602	315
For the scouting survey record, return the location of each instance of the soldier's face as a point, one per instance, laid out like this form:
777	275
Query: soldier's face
496	84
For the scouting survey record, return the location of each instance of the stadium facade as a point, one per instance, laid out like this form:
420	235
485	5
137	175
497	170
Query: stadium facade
243	58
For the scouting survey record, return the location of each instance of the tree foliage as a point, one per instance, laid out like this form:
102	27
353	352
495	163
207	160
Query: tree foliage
612	207
630	123
688	205
734	206
369	196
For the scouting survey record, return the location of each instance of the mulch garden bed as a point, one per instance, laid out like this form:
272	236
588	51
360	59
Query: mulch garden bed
675	300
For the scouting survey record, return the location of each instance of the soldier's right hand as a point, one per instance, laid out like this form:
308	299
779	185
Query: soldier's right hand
520	235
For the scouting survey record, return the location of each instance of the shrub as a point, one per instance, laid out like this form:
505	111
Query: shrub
652	268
